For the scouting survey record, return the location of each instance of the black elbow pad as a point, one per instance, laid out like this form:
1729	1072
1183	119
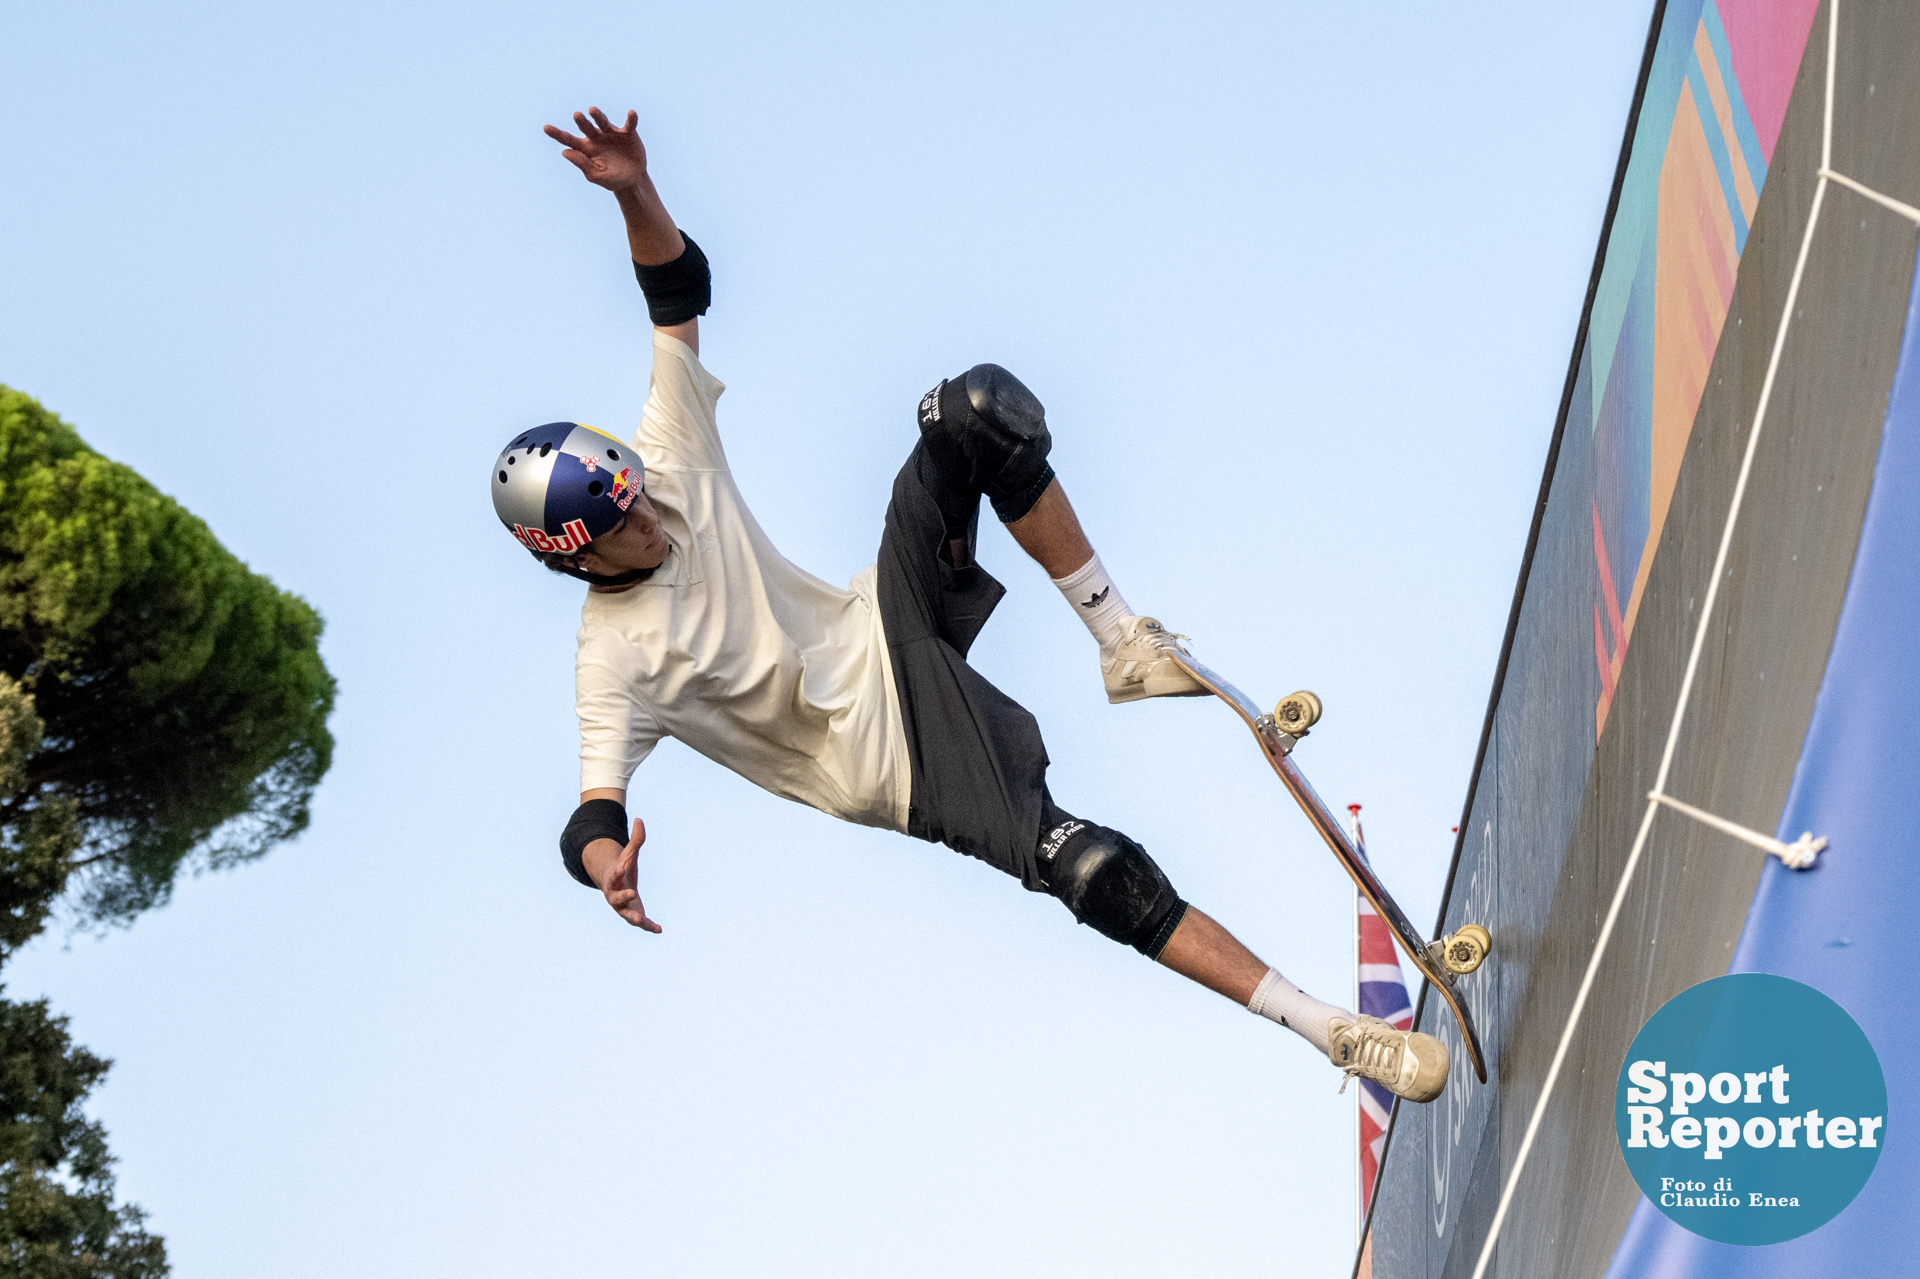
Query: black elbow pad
677	291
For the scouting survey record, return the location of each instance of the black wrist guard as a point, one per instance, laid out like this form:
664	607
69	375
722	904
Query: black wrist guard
595	819
677	290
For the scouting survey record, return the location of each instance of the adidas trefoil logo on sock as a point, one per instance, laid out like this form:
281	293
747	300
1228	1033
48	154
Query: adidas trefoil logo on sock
1099	598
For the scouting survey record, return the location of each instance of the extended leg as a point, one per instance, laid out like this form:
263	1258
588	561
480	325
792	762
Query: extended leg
1110	884
1203	951
1407	1062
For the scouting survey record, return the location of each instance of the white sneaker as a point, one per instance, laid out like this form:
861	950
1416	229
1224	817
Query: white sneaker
1139	666
1410	1064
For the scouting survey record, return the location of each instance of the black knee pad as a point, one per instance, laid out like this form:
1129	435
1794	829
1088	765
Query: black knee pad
1110	885
1004	400
987	427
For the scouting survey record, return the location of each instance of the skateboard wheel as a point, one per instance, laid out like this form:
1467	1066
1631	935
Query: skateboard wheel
1295	713
1467	949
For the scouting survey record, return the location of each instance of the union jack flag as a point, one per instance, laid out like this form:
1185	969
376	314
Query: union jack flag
1383	994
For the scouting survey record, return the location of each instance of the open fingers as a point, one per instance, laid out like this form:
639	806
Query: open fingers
625	899
626	903
561	136
587	126
600	121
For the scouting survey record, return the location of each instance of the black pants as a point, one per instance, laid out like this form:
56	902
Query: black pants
979	766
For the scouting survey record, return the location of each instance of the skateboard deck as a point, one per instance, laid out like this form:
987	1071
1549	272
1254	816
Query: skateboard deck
1441	963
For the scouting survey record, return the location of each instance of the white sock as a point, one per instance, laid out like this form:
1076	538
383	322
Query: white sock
1098	602
1282	1001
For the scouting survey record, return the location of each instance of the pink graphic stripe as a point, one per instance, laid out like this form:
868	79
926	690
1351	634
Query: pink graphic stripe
1607	591
1600	658
1766	39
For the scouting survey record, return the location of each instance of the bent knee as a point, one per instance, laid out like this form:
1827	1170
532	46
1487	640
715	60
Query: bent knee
1110	884
990	432
1004	401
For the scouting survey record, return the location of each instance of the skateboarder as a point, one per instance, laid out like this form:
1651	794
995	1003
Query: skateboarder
859	702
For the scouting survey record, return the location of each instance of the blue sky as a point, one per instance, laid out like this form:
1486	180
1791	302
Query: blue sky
1297	284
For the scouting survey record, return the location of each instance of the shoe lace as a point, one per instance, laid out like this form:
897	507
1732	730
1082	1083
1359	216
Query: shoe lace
1376	1055
1163	638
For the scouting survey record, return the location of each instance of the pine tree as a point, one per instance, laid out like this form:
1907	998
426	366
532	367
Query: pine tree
160	706
58	1219
184	698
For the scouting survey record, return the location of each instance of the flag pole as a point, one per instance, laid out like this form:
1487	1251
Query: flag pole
1359	1174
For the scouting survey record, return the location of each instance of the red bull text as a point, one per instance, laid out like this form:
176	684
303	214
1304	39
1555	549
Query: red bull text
573	537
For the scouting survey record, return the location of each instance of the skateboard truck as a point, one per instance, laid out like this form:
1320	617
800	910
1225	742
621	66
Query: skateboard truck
1461	952
1292	716
1295	713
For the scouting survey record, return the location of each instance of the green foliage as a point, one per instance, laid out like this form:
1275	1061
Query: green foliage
158	703
36	853
184	699
57	1215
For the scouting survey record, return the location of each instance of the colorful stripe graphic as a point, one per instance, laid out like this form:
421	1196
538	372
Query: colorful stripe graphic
1684	216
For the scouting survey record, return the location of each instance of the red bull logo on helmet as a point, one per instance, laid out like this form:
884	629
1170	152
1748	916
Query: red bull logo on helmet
573	537
626	486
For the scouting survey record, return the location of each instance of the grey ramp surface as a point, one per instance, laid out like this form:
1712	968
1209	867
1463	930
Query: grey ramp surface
1540	869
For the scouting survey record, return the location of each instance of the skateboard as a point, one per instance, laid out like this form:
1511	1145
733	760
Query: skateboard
1443	962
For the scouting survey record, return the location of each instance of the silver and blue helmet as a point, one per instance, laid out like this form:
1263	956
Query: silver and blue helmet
559	486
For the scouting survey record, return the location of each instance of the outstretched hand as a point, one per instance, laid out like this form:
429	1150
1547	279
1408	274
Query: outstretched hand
622	884
610	156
